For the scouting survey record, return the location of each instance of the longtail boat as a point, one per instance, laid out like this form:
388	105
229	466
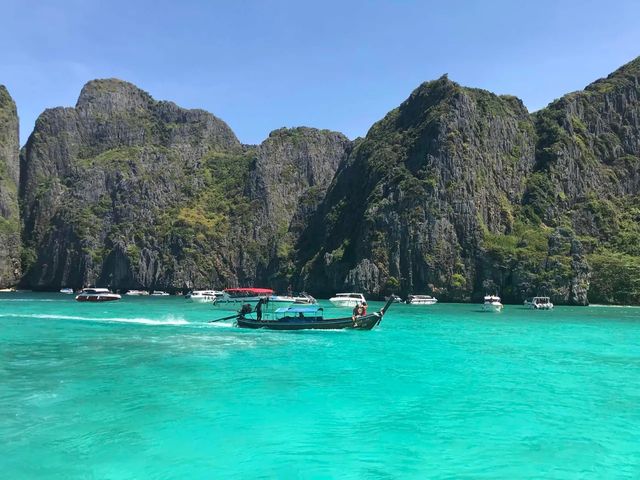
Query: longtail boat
309	318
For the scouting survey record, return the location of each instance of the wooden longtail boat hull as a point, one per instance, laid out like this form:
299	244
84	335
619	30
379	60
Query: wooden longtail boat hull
366	322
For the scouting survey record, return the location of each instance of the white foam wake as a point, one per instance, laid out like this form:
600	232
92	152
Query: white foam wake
169	320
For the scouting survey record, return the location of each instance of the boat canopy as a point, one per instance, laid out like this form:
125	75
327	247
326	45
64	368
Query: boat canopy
249	291
305	309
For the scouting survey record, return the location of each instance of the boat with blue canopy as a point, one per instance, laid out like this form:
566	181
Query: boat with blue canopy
308	317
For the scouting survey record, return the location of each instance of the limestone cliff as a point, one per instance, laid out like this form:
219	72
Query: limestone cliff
460	192
409	210
114	191
9	177
129	192
457	192
292	171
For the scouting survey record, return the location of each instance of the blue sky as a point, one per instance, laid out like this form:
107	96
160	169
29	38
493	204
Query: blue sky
262	65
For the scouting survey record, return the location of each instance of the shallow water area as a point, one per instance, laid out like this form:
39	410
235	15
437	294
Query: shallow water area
146	388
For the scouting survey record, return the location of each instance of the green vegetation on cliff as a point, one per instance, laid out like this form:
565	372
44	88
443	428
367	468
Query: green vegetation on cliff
9	214
457	192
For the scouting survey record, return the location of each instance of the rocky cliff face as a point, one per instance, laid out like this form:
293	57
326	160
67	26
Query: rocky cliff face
460	192
409	210
457	192
292	171
9	176
113	190
126	191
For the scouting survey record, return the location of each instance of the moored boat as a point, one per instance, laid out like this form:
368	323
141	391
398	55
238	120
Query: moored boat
421	300
203	296
97	295
67	291
235	296
539	303
136	293
311	318
348	300
492	304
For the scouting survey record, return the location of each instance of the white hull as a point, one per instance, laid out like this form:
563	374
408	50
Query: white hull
97	297
541	307
203	296
492	307
345	302
423	302
202	299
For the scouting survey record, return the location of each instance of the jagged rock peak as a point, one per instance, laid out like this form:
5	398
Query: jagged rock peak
112	95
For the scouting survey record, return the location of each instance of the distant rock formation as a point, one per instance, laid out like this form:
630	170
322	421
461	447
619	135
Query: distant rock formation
9	178
457	192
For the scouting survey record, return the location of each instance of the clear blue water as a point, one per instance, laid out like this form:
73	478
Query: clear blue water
145	388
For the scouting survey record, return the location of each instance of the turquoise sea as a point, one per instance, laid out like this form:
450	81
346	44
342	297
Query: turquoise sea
144	388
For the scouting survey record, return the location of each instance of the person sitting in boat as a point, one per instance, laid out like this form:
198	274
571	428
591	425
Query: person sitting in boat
246	308
358	311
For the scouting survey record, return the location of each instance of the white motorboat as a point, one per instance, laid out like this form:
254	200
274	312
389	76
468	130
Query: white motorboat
97	295
251	295
203	296
492	304
297	298
67	291
137	293
421	300
348	299
159	293
539	303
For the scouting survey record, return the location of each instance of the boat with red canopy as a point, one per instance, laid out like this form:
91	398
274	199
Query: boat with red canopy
242	295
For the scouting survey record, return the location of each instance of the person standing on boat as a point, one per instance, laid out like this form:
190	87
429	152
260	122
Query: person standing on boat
259	310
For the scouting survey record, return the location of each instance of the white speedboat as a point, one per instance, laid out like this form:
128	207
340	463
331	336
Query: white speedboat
137	293
159	293
297	298
348	299
539	303
421	300
203	296
67	291
492	304
97	295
